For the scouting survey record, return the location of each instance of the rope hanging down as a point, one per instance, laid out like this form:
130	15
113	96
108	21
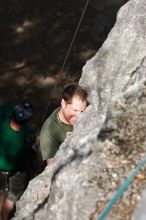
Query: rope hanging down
67	55
74	36
121	190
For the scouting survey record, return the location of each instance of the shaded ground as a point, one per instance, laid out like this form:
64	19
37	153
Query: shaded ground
35	36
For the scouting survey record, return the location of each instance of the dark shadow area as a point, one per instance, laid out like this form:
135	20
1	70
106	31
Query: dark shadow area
34	38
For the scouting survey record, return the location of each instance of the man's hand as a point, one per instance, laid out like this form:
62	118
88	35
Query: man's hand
50	161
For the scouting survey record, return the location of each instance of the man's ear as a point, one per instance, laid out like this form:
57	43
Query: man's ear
63	103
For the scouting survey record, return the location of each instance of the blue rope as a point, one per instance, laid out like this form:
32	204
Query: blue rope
121	190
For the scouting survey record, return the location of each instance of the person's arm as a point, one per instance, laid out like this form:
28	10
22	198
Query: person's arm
48	146
50	161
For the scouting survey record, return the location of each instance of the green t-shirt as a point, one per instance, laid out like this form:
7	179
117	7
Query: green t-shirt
53	133
15	147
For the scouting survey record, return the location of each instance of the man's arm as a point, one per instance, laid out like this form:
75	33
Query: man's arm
48	146
50	161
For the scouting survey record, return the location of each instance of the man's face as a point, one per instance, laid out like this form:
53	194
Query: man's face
73	109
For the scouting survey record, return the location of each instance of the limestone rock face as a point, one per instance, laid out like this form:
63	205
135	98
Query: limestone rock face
109	137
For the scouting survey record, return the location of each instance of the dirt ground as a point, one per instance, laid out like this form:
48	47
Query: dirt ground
34	40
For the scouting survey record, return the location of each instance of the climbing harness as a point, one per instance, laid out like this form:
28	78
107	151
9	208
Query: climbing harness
121	190
67	55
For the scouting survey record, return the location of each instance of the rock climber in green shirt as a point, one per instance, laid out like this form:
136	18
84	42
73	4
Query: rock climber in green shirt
16	140
60	123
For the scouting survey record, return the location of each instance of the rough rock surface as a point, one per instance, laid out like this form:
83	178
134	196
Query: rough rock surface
140	212
109	138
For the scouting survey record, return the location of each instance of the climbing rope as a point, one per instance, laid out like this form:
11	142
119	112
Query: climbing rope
74	36
66	57
121	190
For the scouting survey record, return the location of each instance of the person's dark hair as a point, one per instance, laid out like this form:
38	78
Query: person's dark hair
74	90
22	112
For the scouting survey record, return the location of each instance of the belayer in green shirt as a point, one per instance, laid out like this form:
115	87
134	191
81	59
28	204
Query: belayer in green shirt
16	140
60	123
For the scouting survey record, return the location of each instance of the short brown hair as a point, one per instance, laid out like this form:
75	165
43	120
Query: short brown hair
74	90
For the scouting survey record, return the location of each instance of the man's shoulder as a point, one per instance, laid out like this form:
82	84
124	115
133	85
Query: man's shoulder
52	118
